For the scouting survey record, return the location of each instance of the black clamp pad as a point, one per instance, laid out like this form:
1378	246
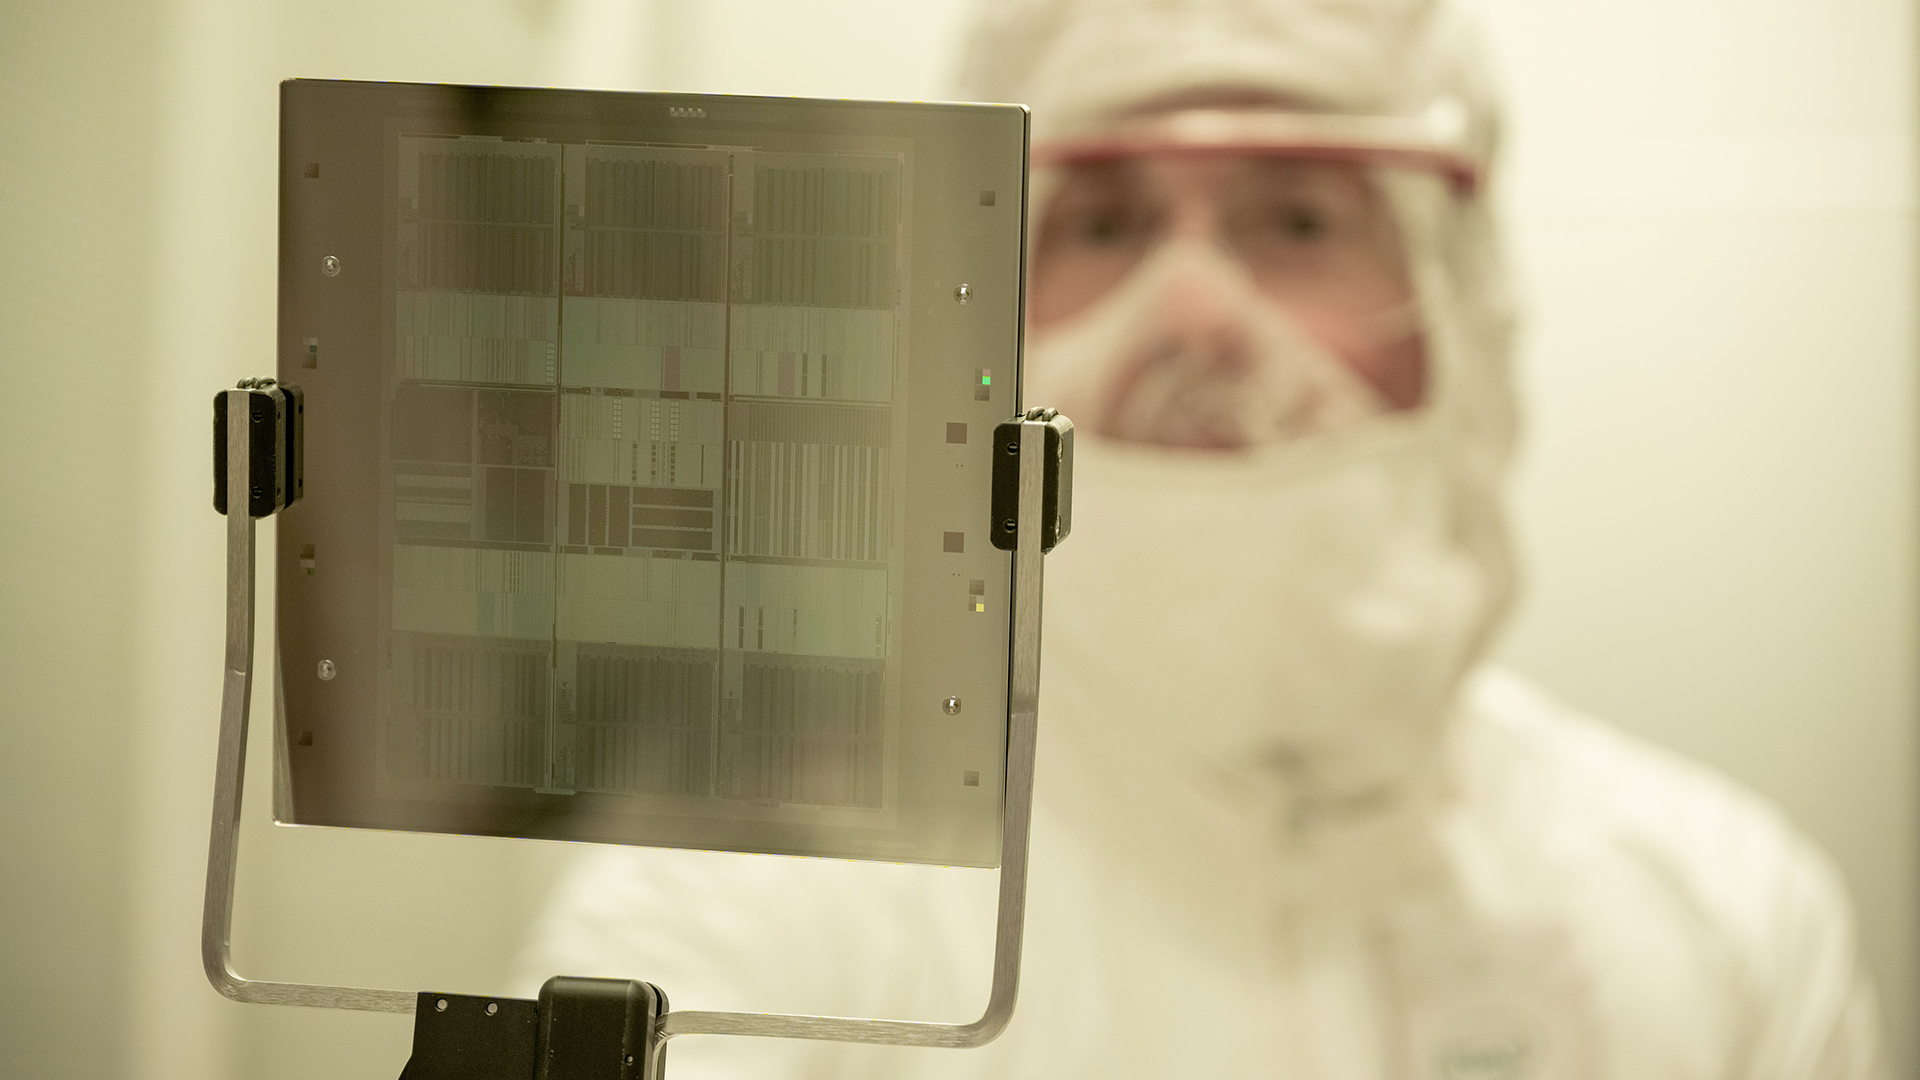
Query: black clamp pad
1056	499
596	1029
273	449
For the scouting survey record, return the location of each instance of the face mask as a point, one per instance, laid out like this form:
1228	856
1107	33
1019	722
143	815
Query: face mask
1298	613
1187	352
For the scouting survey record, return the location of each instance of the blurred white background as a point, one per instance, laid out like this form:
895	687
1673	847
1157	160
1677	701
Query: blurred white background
1712	210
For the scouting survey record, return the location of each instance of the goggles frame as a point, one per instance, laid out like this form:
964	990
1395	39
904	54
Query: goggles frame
1434	141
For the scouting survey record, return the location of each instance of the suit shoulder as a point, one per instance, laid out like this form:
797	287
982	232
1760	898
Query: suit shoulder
1525	757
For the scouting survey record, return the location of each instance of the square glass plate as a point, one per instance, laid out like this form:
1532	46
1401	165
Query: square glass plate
647	467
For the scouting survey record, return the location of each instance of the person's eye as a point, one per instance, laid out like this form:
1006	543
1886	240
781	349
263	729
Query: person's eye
1300	222
1102	227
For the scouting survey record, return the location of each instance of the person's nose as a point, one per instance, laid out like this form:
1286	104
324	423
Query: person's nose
1183	381
1200	325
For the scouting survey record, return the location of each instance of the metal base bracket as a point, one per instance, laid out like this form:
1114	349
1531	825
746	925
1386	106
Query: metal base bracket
579	1029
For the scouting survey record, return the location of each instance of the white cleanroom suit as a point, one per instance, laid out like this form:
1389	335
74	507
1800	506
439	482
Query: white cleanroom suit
1286	822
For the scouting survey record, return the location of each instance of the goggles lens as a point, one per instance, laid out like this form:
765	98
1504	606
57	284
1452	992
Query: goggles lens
1315	237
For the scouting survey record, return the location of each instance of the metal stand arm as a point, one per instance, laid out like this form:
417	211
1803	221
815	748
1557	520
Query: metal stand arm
243	417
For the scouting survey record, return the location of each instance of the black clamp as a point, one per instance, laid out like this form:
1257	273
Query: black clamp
1056	499
277	414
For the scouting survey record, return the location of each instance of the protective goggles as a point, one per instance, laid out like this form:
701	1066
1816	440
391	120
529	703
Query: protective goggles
1292	197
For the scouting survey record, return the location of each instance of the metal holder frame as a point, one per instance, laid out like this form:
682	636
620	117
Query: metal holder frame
1023	701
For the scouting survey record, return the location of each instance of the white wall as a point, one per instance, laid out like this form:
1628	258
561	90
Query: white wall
1713	215
76	149
1712	207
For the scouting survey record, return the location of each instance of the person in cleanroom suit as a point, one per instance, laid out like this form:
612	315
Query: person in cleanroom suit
1287	823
